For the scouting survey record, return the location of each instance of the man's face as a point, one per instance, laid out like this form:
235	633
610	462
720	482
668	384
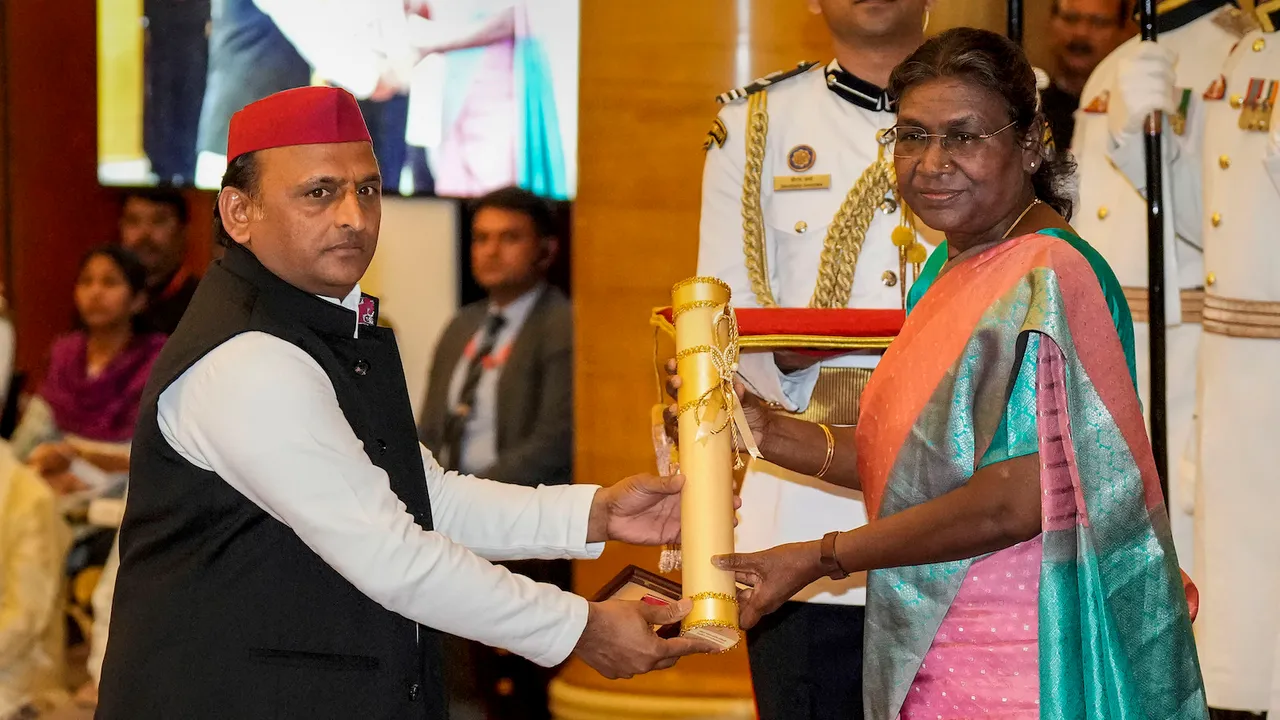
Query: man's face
853	20
1083	32
314	218
506	252
154	233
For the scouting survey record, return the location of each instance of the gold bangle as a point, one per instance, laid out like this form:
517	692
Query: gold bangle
831	450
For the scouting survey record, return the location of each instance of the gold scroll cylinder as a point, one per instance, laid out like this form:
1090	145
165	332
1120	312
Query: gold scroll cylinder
706	508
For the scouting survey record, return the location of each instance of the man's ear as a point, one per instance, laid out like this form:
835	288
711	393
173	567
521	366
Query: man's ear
550	248
235	208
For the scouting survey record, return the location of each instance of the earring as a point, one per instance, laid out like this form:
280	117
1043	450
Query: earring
926	20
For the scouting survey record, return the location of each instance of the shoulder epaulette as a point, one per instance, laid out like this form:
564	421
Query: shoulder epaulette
764	82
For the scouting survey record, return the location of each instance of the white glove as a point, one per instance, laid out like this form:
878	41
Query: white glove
1145	84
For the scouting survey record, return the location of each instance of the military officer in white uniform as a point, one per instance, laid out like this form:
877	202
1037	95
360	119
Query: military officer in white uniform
1237	543
1112	212
1239	569
796	198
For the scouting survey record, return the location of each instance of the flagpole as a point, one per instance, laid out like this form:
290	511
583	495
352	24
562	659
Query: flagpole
1155	270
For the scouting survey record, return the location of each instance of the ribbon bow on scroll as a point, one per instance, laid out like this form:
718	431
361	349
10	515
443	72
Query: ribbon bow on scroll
720	396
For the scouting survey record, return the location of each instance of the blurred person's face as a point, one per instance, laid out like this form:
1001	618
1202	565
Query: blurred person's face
852	21
154	233
103	296
507	256
313	219
1083	32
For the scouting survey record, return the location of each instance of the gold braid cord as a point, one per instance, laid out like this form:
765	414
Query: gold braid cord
845	234
752	213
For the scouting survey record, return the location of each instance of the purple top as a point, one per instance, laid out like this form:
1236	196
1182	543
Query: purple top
104	407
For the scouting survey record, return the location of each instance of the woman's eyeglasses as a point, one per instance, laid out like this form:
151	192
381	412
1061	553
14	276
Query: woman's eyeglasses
912	142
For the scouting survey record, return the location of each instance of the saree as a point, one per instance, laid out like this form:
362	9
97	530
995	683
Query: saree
1015	351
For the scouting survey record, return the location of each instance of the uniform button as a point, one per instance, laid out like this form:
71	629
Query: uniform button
1103	212
802	226
415	690
1216	219
382	446
1236	101
1224	162
361	367
1259	45
889	278
505	687
1210	279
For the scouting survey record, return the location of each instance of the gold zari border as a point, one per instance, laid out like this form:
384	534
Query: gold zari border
702	279
714	596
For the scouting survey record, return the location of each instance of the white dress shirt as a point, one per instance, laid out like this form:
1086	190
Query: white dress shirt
262	414
480	434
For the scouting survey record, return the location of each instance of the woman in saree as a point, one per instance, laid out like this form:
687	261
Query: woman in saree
1019	554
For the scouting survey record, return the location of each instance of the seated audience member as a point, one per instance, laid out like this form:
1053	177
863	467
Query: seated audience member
88	402
153	225
33	541
500	405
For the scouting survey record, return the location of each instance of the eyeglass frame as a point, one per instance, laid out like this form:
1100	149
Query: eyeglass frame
889	136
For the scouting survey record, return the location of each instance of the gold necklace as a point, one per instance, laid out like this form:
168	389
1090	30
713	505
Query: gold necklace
1034	202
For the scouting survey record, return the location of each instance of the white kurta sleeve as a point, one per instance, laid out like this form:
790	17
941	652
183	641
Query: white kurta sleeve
337	38
262	414
498	521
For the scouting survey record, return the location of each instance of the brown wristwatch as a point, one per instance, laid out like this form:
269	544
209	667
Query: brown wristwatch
827	560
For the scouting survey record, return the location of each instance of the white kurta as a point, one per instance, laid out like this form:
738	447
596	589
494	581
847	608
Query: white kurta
1112	216
779	506
262	414
1237	535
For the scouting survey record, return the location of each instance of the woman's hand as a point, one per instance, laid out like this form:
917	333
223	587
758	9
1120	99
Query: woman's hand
51	458
773	577
757	413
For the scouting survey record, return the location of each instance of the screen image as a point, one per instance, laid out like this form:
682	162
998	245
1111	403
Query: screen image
461	96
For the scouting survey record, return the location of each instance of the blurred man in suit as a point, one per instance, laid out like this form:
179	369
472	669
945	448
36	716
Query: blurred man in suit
500	404
1081	34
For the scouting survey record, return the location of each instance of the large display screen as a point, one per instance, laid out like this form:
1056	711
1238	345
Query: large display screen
461	96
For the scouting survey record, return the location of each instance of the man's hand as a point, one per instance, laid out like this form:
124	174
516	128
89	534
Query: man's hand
641	510
757	413
773	577
51	458
619	639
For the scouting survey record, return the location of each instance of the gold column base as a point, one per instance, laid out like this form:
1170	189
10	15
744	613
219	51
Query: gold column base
682	693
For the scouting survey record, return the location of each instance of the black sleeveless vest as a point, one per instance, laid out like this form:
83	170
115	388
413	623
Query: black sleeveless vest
221	611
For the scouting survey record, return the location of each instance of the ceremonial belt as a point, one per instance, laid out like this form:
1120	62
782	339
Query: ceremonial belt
1242	318
836	396
1193	302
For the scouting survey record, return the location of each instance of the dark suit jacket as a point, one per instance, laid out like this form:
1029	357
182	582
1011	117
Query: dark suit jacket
535	392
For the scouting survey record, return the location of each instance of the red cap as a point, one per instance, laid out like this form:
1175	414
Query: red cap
301	116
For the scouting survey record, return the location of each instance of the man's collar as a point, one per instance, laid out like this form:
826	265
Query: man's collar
516	310
856	90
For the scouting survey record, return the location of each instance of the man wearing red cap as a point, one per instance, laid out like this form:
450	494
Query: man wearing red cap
289	549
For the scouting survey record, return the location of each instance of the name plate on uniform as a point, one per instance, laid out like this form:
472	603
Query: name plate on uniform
801	182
